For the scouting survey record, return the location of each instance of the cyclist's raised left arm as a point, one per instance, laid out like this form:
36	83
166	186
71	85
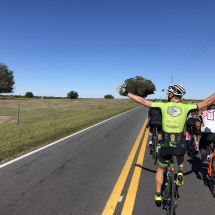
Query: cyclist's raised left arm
206	102
123	90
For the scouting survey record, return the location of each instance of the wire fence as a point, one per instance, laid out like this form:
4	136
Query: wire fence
26	111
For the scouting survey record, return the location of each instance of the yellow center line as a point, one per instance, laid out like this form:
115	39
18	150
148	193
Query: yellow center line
113	200
131	195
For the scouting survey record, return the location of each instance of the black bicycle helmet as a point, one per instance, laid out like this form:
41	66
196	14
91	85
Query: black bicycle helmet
177	89
211	106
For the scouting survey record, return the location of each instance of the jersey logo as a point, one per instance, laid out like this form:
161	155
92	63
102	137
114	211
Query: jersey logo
174	111
171	120
172	137
209	114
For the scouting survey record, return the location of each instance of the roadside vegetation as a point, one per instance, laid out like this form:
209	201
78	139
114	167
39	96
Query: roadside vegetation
66	117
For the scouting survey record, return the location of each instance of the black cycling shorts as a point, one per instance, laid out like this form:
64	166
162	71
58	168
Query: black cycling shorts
206	139
158	125
166	153
191	122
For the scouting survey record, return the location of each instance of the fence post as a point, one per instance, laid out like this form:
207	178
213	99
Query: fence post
69	108
83	107
48	110
17	123
93	104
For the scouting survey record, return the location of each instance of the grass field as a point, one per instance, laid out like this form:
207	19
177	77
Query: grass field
65	117
36	130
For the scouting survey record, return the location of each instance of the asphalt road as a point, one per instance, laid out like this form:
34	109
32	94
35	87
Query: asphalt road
97	171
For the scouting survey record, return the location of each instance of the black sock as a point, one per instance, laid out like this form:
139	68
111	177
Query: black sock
158	193
180	169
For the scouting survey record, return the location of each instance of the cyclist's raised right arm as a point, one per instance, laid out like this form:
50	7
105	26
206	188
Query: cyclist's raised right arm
140	100
206	102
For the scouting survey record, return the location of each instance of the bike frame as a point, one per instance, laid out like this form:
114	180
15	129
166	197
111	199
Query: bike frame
211	158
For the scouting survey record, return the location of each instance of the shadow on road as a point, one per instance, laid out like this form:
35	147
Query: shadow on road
196	167
149	170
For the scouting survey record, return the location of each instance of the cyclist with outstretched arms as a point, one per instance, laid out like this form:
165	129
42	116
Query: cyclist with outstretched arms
174	115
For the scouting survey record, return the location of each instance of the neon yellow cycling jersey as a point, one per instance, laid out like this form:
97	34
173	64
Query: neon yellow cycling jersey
174	115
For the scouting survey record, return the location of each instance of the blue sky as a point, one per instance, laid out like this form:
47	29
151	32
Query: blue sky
89	46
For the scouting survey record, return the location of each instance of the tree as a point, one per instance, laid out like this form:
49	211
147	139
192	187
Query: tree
72	95
6	79
108	96
29	95
140	86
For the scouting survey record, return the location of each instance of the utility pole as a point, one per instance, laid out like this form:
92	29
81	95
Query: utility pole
171	79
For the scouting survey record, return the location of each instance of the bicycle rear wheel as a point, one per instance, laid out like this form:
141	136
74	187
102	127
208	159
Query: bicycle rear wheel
155	149
192	148
212	178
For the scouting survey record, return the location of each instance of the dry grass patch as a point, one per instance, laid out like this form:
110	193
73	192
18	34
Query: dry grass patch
6	119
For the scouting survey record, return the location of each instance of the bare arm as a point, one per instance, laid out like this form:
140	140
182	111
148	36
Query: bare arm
135	98
140	100
206	102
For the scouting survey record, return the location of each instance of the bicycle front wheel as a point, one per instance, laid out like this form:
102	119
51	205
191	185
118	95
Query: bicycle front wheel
173	195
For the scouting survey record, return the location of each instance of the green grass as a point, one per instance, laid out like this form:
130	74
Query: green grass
35	130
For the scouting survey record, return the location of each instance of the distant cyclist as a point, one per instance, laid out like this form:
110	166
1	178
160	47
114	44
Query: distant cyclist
174	115
191	121
208	131
155	118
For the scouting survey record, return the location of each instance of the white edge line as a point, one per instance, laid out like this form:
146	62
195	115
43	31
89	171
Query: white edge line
50	144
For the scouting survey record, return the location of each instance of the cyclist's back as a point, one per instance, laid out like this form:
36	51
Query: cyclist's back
174	115
155	117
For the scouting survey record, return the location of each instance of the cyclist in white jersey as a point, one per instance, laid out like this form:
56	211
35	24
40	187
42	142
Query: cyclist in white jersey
208	131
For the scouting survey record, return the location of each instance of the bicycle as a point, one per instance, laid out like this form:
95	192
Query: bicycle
170	194
153	147
191	145
210	170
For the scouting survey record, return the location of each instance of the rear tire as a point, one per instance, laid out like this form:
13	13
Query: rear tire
155	149
192	148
